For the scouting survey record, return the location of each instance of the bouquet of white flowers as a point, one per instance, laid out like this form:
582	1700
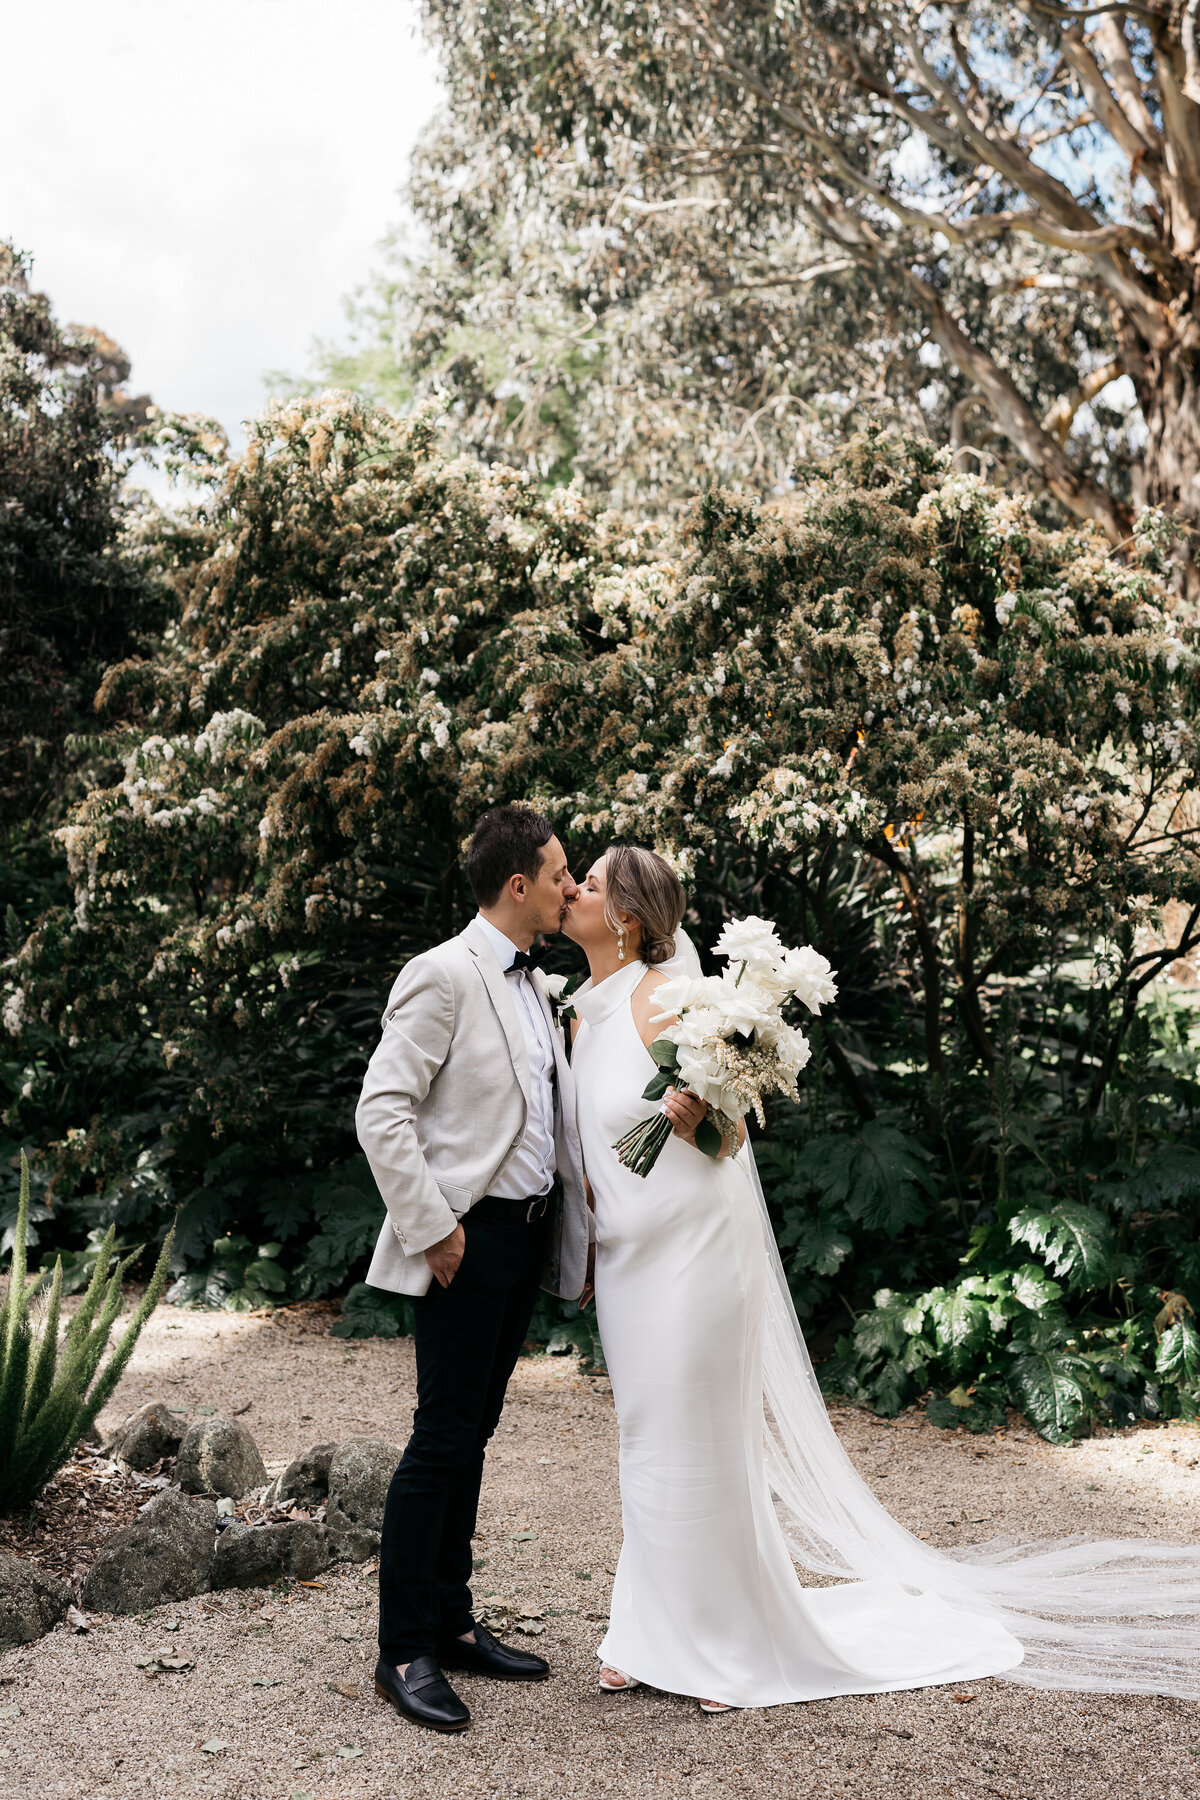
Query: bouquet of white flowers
731	1044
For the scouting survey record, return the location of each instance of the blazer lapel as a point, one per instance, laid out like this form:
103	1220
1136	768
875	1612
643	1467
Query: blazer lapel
496	983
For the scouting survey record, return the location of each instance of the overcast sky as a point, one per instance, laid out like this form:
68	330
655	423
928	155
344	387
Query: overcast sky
205	179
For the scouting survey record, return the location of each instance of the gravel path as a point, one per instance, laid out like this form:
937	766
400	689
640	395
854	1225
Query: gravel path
282	1681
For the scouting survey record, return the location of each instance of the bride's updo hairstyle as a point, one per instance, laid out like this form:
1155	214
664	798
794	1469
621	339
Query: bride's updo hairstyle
641	885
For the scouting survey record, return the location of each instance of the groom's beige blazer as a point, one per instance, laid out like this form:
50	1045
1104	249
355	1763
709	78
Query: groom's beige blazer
445	1102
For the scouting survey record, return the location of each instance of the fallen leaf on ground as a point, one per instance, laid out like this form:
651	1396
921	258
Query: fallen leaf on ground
529	1628
164	1665
267	1681
962	1699
346	1689
316	1584
215	1746
208	1411
349	1750
10	1712
523	1537
78	1621
533	1612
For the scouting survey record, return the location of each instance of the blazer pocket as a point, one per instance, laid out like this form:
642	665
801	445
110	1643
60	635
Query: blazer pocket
458	1199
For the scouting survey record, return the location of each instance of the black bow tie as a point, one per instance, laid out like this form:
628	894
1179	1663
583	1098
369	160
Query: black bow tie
526	959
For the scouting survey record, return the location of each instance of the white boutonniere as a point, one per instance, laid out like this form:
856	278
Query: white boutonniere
558	990
553	986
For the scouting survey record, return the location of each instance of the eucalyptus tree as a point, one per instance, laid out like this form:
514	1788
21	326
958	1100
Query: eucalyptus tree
1023	180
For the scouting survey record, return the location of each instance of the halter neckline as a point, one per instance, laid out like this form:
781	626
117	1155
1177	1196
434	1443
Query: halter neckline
595	1004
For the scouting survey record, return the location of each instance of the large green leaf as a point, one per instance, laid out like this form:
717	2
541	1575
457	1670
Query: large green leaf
1050	1387
370	1312
879	1174
1033	1288
1178	1357
817	1243
1076	1241
963	1320
1169	1176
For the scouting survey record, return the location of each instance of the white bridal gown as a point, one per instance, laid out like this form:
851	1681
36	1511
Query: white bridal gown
706	1599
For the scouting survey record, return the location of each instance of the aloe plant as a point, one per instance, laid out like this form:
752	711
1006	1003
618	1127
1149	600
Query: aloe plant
52	1390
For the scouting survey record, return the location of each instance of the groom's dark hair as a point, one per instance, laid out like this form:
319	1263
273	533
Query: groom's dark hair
507	841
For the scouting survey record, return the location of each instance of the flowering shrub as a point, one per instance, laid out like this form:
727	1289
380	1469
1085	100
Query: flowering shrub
953	749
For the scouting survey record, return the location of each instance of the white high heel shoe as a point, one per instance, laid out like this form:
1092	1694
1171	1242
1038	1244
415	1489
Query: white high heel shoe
621	1686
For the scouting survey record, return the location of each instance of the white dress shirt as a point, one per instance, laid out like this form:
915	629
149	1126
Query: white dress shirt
529	1170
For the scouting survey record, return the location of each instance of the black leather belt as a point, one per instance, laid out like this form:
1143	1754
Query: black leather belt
517	1212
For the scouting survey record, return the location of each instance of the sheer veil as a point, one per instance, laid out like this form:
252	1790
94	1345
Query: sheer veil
1120	1615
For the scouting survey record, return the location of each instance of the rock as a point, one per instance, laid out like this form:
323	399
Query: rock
359	1477
218	1456
257	1555
31	1602
355	1546
147	1435
166	1553
305	1480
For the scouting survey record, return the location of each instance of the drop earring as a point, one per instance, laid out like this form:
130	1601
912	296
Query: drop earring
620	943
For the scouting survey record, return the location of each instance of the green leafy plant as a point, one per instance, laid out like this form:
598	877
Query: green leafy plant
51	1392
370	1312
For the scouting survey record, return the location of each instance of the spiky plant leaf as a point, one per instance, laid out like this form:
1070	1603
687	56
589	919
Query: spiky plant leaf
817	1243
1178	1357
49	1390
1076	1241
879	1174
1050	1388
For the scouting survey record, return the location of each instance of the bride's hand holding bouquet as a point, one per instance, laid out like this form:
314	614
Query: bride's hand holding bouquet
728	1041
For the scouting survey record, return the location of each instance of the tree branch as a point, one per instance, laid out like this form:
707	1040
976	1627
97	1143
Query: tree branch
1061	417
1142	152
1110	33
1079	493
931	967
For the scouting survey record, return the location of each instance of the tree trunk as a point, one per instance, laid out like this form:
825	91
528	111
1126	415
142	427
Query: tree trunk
1168	390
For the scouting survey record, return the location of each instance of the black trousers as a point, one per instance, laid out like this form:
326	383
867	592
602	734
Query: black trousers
468	1337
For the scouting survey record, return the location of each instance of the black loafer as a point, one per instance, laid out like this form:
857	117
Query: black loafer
488	1656
422	1694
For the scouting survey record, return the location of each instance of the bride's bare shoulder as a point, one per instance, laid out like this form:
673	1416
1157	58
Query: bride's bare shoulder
646	1009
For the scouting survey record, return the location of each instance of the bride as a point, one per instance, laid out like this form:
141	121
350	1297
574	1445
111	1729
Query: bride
730	1471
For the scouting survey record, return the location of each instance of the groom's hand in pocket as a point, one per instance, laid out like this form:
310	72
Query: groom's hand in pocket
444	1257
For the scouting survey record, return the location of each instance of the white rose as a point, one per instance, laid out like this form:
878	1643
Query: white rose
790	1046
809	976
675	995
695	1024
701	1070
749	940
551	985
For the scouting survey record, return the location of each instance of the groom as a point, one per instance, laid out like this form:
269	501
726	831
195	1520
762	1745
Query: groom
467	1118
